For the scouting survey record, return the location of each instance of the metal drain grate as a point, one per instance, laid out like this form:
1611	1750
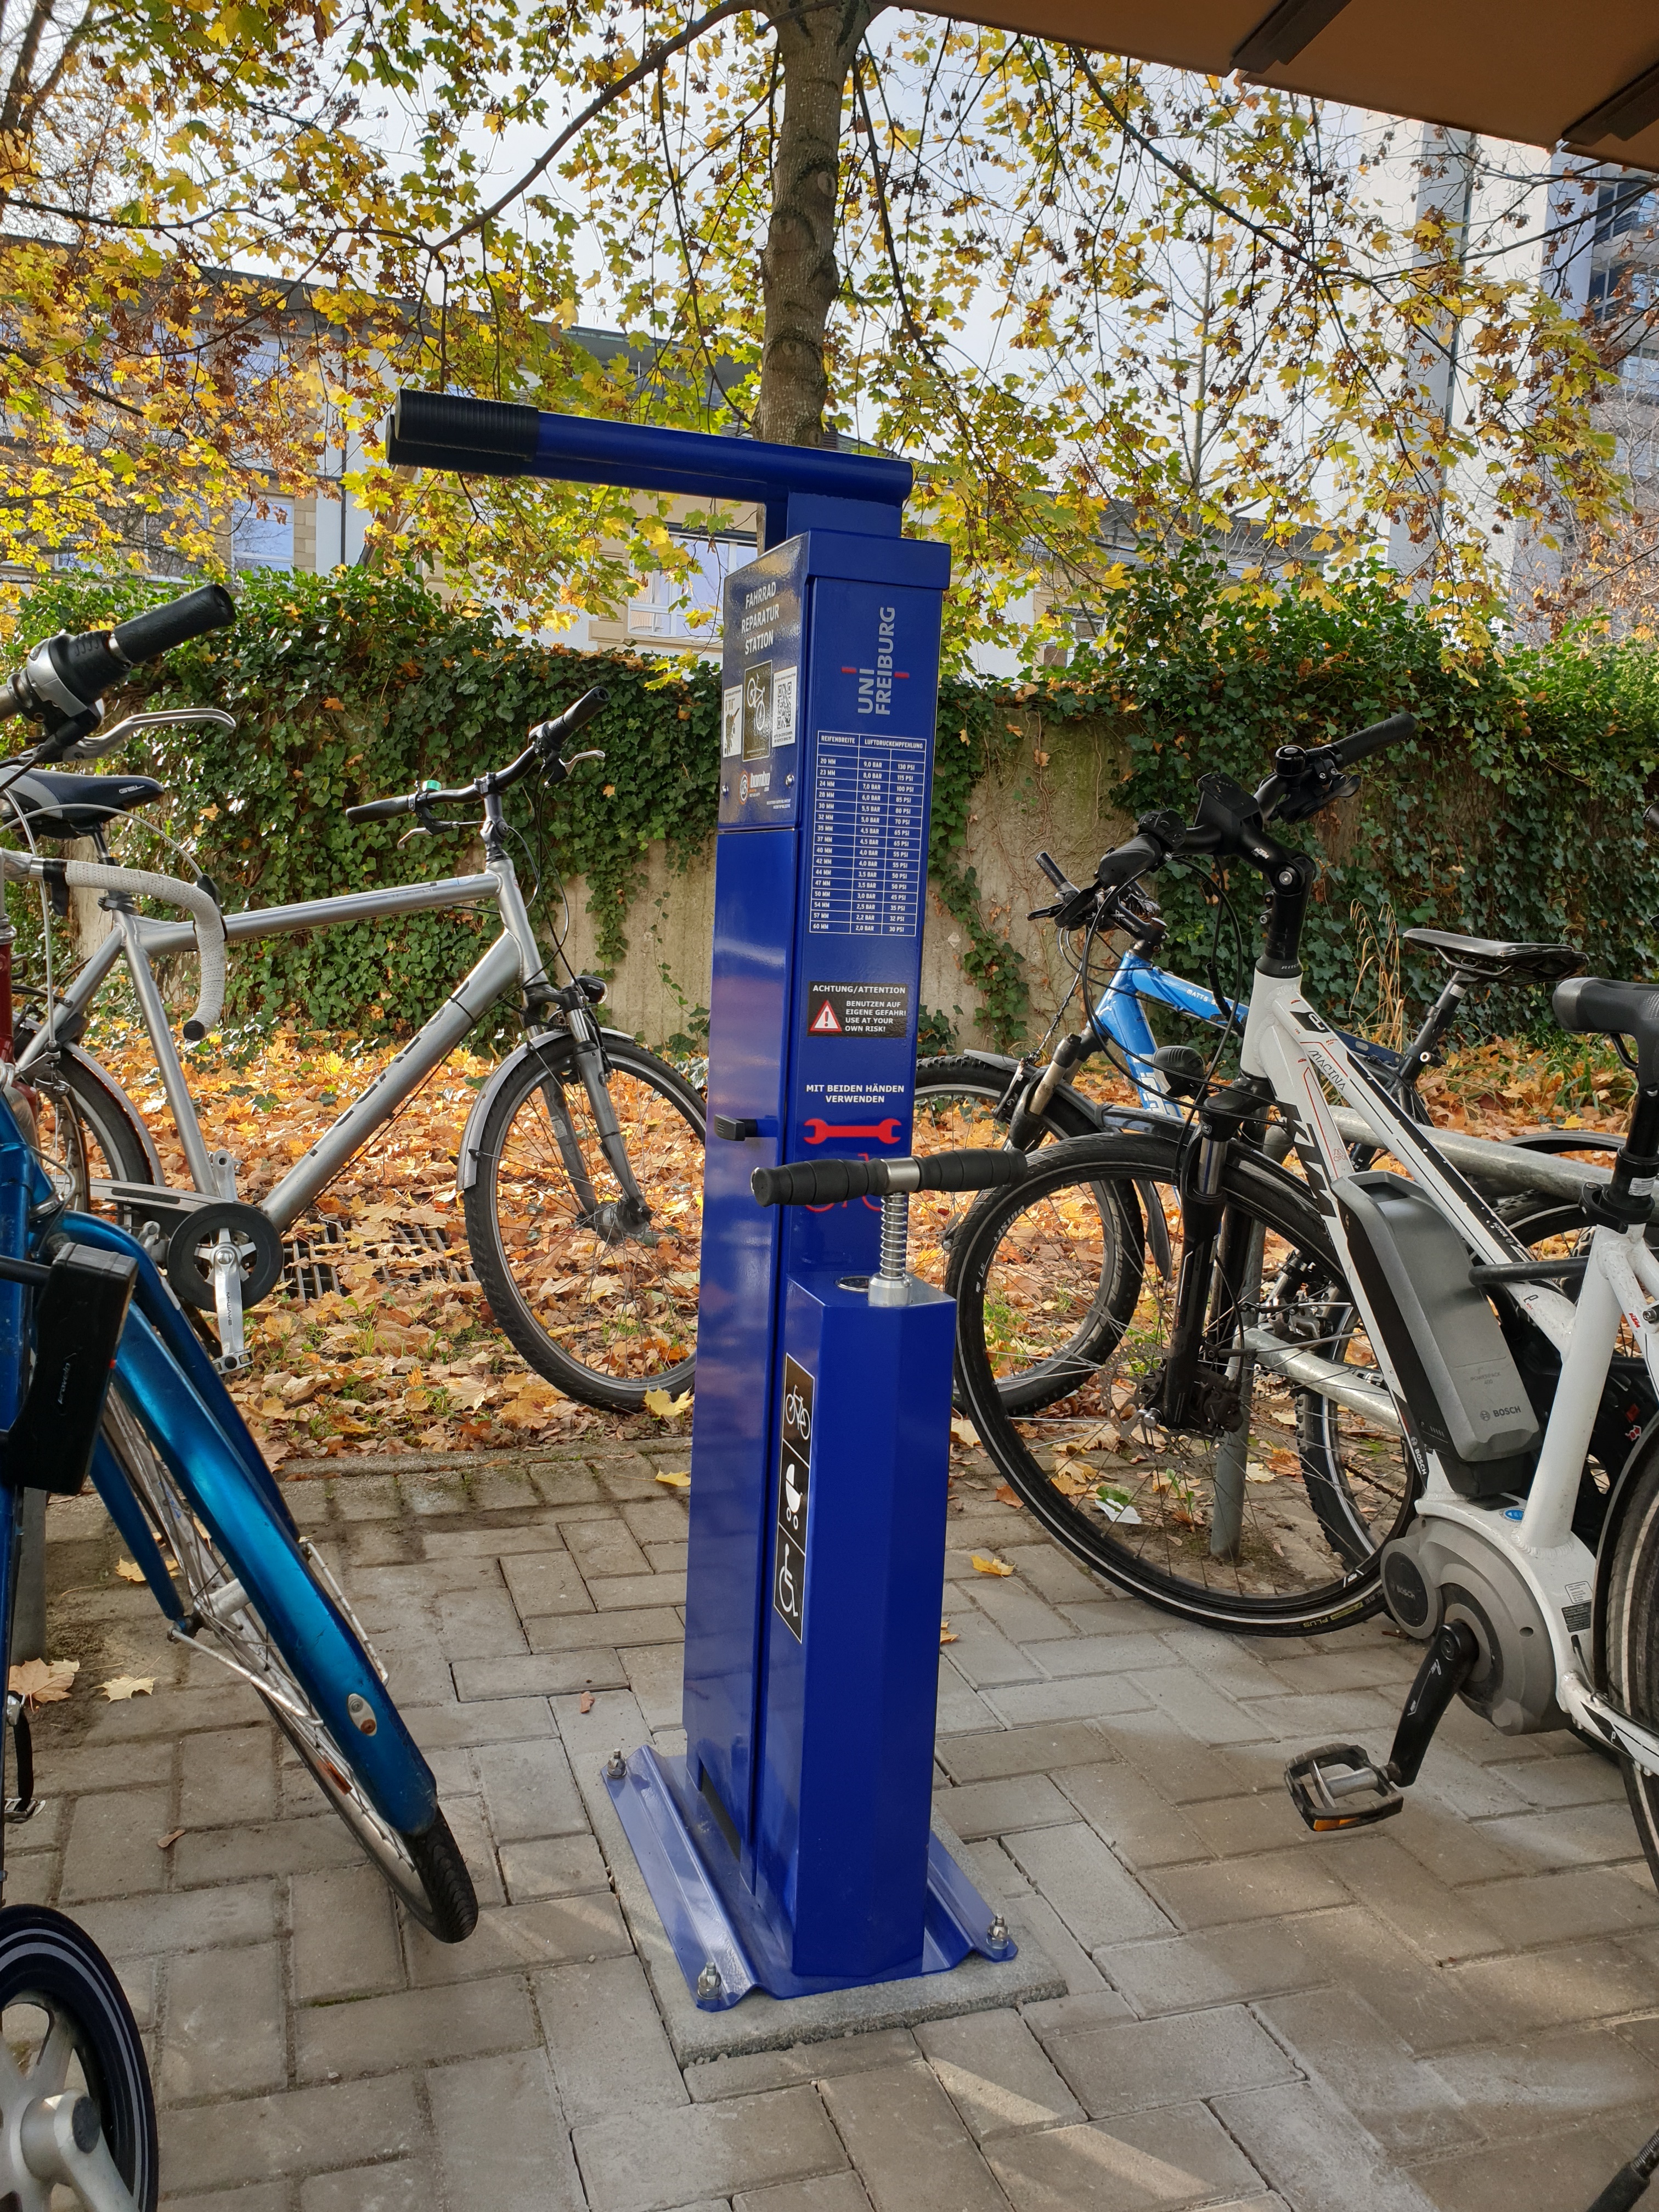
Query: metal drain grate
400	1252
409	1239
308	1268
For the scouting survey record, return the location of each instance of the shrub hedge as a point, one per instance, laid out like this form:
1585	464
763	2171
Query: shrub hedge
1516	813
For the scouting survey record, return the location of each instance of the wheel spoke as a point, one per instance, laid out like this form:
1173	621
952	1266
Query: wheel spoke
1237	1506
51	2069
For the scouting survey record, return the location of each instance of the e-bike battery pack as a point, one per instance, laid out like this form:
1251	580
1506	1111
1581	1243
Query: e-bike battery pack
78	1322
1465	1399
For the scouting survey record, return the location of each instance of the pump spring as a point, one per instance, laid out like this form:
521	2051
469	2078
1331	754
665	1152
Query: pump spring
896	1234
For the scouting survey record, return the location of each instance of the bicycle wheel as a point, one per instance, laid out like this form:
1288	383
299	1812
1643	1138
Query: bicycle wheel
957	1107
1228	1525
66	2034
84	1133
425	1870
607	1314
1631	1640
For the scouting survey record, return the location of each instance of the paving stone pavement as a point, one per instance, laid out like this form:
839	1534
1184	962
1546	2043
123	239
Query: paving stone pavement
1460	2011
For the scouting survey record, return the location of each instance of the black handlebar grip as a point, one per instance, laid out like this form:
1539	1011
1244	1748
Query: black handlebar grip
158	630
829	1182
550	737
1358	742
379	810
89	663
1141	854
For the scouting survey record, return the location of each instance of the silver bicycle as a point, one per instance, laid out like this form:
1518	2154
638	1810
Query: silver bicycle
580	1167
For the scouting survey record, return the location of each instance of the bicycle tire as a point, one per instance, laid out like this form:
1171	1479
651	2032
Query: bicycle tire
1166	1563
52	1968
956	1099
534	1247
422	1867
1630	1638
86	1133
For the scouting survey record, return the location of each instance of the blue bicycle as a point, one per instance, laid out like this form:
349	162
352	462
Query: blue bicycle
173	1460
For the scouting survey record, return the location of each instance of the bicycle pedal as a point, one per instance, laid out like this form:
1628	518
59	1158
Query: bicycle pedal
1339	1786
21	1808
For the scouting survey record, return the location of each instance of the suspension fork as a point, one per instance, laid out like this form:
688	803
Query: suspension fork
595	1075
1209	1236
1203	1213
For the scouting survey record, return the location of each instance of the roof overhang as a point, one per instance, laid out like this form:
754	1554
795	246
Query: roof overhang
1526	70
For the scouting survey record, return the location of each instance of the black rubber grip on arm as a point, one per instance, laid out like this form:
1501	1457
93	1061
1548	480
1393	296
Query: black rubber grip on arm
828	1183
379	810
450	430
1358	742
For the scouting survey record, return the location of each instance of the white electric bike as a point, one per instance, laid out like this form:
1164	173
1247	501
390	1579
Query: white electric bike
1509	1384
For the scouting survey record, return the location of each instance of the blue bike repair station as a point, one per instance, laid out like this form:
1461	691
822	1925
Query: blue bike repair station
790	1849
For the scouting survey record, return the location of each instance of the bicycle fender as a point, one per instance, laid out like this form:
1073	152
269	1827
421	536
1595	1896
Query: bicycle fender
466	1166
313	1637
122	1104
128	1515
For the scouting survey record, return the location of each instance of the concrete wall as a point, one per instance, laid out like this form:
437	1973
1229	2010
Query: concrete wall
1055	790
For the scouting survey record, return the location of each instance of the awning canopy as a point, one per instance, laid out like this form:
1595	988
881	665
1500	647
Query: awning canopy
1529	69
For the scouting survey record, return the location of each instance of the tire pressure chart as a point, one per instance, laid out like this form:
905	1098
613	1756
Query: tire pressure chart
868	856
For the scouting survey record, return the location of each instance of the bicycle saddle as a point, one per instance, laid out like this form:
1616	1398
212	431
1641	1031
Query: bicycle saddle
55	805
1490	960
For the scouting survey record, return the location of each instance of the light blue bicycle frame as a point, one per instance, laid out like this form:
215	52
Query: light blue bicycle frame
1120	1015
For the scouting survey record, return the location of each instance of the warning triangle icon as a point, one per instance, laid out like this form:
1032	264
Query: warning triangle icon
823	1023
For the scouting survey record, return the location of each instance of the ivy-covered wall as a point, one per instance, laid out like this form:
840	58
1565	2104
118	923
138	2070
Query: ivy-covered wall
1517	811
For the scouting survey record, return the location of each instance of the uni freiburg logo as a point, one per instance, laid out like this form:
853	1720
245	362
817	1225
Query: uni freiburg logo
876	684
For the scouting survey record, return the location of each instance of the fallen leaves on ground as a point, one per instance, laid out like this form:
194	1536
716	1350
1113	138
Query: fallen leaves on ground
584	1703
947	1634
44	1681
405	1354
675	1478
1007	1495
120	1688
984	1566
666	1408
166	1843
964	1432
129	1571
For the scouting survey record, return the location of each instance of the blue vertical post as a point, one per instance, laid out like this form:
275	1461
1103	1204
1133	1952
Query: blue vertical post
790	1848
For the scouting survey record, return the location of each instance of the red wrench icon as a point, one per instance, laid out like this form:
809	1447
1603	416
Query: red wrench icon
884	1132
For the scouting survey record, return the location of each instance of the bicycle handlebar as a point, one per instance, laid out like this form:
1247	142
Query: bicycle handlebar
1314	778
382	810
206	915
828	1183
1373	740
61	680
546	742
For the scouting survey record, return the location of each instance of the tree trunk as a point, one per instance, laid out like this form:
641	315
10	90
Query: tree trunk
799	278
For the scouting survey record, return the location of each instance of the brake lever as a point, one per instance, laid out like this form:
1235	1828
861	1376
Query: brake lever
427	824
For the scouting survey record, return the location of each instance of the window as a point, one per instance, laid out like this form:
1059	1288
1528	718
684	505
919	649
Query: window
262	540
686	609
1630	204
